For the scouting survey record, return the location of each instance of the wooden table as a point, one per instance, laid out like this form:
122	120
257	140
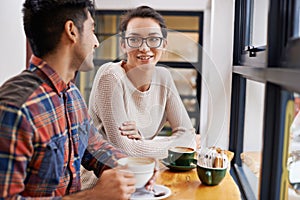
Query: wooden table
187	186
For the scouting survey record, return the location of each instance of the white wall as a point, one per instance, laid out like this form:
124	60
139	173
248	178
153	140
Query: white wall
156	4
12	39
217	74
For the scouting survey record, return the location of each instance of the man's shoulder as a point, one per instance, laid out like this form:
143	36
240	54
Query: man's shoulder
16	90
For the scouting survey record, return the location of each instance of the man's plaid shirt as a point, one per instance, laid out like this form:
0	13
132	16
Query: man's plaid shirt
45	134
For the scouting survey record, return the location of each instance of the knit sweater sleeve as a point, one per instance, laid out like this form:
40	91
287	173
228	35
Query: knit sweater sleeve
108	108
177	115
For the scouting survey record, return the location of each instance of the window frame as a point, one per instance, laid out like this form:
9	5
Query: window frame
266	68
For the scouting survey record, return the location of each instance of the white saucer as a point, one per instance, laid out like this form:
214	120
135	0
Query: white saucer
143	194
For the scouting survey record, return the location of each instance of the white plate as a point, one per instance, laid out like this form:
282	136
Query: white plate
143	194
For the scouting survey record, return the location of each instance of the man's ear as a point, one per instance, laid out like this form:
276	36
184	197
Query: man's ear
71	30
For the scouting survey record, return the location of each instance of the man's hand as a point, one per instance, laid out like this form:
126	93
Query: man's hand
115	184
151	182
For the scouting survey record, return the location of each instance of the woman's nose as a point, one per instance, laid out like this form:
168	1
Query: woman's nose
144	46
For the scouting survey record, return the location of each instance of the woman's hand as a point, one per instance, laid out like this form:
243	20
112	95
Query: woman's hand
129	129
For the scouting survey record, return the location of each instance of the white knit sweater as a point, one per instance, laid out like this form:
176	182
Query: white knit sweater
114	100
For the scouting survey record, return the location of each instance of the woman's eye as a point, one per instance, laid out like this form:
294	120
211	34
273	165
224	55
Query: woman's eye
133	39
154	39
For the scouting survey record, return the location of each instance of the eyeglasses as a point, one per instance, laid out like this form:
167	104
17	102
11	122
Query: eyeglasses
136	42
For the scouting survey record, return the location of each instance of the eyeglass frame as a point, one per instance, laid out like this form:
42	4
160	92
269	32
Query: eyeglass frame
144	39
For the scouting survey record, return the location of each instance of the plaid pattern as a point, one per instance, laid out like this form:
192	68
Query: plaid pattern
45	134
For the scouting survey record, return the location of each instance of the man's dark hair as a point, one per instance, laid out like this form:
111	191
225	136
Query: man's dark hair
143	12
44	21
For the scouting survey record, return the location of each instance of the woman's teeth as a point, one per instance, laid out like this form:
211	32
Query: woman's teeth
144	57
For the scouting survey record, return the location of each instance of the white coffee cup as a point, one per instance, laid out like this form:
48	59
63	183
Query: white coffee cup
141	167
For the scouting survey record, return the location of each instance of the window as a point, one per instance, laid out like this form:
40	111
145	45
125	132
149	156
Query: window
262	165
253	133
251	32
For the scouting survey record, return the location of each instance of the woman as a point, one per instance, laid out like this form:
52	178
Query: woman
131	100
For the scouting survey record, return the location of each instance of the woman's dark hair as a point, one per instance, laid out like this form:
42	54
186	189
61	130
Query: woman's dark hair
143	12
44	21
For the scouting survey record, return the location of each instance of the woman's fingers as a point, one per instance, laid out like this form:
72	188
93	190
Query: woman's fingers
128	126
129	132
136	136
129	129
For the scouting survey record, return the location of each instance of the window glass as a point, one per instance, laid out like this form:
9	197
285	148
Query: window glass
258	31
296	19
106	24
182	47
253	134
185	81
109	48
182	23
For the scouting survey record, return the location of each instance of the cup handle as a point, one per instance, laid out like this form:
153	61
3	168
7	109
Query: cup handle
209	178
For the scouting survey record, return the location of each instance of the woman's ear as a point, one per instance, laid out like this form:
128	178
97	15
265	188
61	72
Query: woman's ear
165	43
71	30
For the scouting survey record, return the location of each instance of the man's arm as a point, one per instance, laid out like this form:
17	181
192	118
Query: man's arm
99	154
16	150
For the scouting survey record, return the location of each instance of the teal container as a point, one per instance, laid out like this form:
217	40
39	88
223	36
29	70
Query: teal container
210	176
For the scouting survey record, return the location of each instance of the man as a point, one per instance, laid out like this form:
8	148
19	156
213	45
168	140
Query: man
45	131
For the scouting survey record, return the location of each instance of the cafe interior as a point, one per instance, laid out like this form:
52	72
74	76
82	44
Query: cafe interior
236	66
